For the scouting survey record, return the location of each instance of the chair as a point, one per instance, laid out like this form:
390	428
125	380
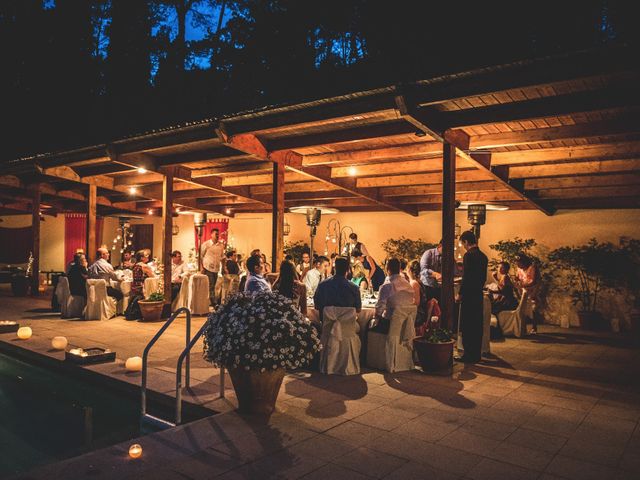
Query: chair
393	351
486	325
71	306
514	322
230	284
99	305
194	294
341	344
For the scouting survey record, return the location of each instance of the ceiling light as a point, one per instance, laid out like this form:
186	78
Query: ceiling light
150	211
142	170
353	171
133	190
227	211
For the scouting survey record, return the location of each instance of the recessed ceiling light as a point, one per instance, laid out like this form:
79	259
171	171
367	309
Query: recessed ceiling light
142	170
353	171
133	190
227	211
150	211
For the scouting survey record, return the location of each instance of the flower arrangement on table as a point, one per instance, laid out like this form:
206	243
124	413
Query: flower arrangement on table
257	337
259	332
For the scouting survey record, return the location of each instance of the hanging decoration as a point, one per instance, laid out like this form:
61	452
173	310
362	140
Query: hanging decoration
123	239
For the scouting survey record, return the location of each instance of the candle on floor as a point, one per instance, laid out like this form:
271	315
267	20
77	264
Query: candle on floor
133	364
24	333
59	343
135	450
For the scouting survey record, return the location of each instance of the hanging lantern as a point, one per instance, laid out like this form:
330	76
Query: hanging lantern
286	229
175	229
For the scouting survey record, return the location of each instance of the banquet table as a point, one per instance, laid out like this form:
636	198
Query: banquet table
194	294
363	318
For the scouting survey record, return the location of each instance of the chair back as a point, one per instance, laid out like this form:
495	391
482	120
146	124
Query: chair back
96	290
340	322
402	322
62	289
522	302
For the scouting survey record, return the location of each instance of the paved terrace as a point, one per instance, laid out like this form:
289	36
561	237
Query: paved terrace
564	404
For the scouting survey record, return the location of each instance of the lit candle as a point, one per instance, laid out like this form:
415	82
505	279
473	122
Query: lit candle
133	364
75	351
135	450
59	343
24	333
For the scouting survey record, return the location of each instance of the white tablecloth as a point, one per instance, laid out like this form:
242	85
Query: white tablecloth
150	286
363	318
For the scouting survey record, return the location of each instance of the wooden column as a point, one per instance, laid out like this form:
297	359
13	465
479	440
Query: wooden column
448	232
277	217
167	235
35	247
90	249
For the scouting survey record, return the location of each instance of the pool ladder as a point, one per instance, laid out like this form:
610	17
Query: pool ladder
146	418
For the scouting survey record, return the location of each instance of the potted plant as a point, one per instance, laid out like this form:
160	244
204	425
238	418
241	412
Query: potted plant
629	266
434	349
588	270
256	338
406	248
151	307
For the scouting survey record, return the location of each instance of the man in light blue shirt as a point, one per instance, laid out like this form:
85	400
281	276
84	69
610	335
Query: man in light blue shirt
431	271
256	282
317	274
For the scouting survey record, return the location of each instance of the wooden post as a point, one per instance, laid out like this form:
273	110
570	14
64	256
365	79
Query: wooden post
167	235
448	232
90	249
35	247
277	217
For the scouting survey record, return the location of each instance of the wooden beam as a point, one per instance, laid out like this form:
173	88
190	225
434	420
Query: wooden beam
469	187
167	235
575	168
632	178
590	192
67	173
35	245
607	151
277	217
90	249
417	150
253	167
421	179
448	232
10	181
620	126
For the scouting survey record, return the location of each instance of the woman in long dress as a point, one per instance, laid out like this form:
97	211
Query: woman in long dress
288	285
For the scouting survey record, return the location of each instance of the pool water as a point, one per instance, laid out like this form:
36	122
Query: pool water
46	416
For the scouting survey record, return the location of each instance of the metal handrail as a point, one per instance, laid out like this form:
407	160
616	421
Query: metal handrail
181	358
145	354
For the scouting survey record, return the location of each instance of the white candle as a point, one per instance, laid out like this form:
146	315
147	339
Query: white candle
59	343
24	333
135	450
133	364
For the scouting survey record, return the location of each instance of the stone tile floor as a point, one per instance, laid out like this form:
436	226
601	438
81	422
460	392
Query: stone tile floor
563	404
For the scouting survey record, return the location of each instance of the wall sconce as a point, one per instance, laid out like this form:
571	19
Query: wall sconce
286	228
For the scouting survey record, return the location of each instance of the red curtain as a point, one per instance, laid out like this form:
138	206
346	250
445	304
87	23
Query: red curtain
222	224
15	245
75	234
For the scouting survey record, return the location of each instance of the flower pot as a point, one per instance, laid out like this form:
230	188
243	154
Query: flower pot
151	310
592	320
434	357
20	285
257	391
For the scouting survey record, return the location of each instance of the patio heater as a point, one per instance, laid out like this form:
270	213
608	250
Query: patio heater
313	217
476	216
199	220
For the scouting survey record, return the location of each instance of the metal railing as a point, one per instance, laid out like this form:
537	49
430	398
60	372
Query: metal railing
183	358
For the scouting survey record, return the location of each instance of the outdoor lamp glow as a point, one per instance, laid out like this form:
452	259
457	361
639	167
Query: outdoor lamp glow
24	333
59	343
133	364
135	450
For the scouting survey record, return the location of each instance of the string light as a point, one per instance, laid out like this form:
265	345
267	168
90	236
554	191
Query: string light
142	170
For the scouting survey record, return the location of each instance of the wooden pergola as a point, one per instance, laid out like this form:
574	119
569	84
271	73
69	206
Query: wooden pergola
554	133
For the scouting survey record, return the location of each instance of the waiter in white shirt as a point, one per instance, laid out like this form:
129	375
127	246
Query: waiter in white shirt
178	271
211	253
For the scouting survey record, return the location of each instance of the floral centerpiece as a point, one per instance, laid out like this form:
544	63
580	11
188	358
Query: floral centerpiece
258	337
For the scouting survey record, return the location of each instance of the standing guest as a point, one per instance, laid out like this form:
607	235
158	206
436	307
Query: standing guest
353	244
431	271
141	271
314	276
178	271
528	278
211	253
256	282
419	291
471	309
128	261
267	265
337	291
503	294
305	265
288	285
101	268
394	293
78	275
375	274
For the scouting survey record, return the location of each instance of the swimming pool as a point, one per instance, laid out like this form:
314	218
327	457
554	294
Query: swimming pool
48	415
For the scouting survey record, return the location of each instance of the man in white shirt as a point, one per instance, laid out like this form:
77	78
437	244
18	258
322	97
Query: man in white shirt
211	253
303	268
101	268
316	275
178	270
395	292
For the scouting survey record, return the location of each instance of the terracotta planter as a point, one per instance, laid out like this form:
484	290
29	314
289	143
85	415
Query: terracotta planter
257	391
592	320
151	311
434	357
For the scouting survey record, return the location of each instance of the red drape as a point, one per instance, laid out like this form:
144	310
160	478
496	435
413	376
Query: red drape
15	245
222	224
75	234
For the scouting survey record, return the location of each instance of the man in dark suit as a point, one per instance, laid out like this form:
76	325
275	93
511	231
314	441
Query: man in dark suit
470	296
